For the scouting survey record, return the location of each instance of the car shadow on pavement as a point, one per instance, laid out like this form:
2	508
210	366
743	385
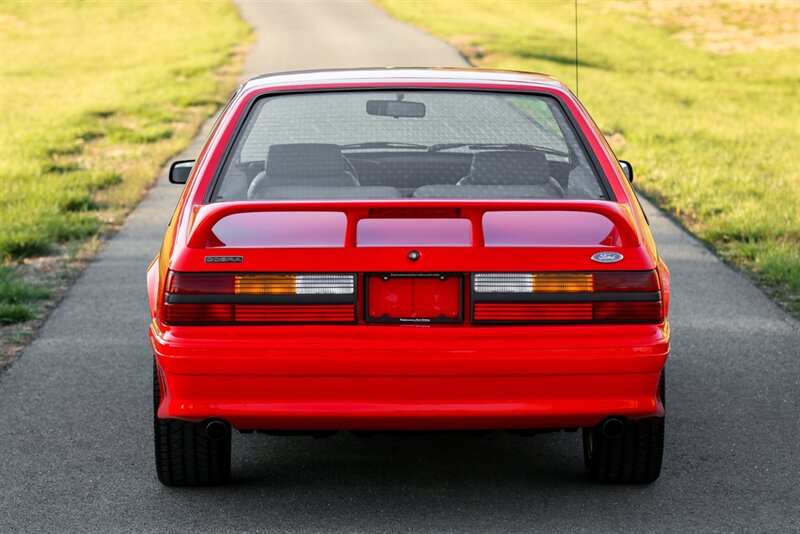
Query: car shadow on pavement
441	482
414	461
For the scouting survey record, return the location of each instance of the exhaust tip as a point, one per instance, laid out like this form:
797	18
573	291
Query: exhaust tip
613	427
216	429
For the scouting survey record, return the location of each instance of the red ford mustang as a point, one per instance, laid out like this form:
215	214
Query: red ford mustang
407	249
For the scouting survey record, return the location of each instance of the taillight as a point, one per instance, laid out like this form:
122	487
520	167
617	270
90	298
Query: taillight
603	297
193	299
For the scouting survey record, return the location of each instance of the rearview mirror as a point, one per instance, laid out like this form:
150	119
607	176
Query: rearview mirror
627	168
180	170
395	108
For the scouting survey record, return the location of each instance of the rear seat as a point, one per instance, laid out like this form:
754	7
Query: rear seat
302	192
487	191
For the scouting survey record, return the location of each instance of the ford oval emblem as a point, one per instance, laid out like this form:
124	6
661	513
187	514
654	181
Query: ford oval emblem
607	257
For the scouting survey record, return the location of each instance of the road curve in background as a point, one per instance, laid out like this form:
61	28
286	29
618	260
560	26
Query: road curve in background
75	410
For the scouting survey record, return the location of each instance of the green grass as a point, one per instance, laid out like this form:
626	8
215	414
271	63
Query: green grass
17	298
94	97
714	137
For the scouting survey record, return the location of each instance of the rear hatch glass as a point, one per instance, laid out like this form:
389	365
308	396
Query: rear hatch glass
407	145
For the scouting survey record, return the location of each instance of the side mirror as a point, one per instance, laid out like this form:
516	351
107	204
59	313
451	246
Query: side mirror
627	168
179	171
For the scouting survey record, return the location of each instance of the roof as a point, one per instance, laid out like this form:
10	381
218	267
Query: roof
402	75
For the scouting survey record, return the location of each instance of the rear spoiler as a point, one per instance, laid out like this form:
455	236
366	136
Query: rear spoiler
205	216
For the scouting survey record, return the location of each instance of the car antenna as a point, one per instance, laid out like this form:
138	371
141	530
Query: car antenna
577	85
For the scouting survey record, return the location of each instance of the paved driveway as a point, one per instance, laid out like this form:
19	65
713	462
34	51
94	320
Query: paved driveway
75	410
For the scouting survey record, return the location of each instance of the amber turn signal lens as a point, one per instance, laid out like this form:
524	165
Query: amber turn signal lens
562	283
265	284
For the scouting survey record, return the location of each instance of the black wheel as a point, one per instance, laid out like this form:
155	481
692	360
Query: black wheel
627	452
185	454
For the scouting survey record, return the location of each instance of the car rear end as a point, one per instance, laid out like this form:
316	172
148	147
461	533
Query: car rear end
367	296
406	337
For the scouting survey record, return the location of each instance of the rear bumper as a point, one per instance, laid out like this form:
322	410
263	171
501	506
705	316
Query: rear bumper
392	378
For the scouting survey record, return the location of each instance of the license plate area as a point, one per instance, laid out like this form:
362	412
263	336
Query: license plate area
414	298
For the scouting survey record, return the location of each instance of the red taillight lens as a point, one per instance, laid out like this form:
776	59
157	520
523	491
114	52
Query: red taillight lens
625	282
629	312
532	312
198	313
198	284
308	313
603	312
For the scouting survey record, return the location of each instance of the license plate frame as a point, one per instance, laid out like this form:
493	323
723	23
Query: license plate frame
454	280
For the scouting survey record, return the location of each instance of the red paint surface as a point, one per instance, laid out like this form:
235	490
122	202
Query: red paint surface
383	377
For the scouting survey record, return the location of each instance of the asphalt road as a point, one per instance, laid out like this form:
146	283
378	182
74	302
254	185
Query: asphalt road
75	410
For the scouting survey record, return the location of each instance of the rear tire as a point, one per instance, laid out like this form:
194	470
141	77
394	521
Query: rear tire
185	455
633	458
